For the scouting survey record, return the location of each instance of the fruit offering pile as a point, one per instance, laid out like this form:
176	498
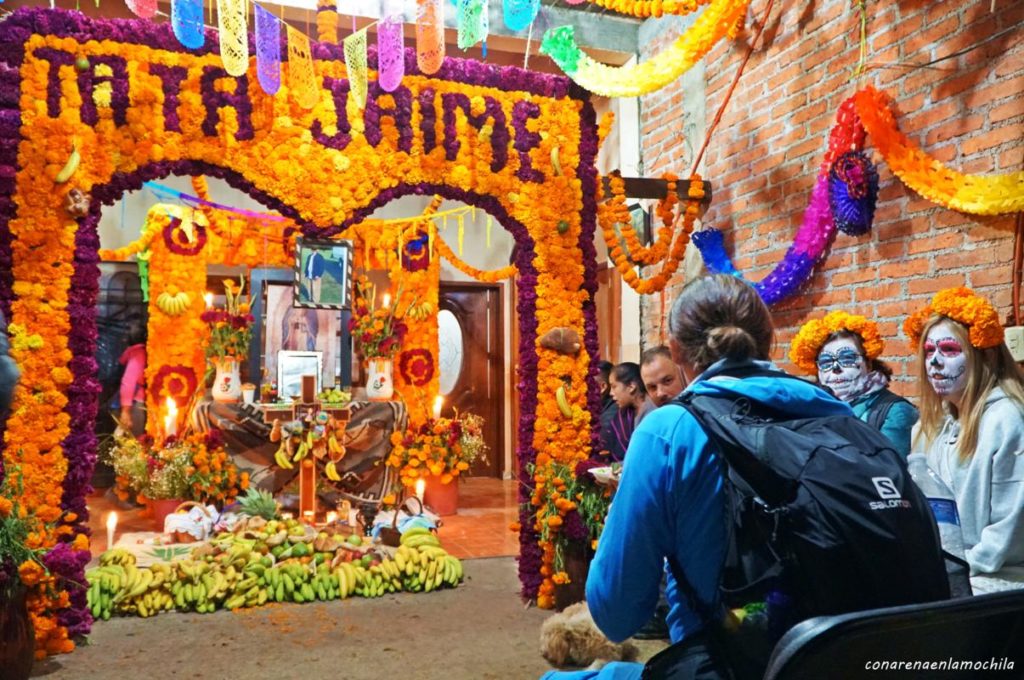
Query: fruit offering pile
334	396
280	561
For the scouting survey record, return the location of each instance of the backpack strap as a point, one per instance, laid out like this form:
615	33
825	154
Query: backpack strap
880	408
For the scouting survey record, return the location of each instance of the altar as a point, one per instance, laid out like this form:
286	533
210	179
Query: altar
365	477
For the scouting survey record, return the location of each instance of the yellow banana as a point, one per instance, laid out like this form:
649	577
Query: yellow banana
556	163
332	471
70	166
563	401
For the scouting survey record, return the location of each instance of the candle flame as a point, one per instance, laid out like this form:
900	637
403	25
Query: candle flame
208	297
387	300
111	521
332	517
438	403
421	486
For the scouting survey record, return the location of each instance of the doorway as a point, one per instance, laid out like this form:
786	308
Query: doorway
470	362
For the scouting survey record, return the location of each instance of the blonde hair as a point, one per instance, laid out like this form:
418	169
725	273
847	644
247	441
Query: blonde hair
986	369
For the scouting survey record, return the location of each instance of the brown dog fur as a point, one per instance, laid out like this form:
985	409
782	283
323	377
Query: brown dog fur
570	638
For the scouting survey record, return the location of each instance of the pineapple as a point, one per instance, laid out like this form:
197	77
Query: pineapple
258	503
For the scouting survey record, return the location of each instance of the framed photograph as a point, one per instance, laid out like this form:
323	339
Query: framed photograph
641	219
323	274
291	366
282	326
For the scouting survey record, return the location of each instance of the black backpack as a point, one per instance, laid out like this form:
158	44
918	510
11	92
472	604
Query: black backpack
823	519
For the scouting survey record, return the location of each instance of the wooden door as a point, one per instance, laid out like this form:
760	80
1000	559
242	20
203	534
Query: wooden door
470	361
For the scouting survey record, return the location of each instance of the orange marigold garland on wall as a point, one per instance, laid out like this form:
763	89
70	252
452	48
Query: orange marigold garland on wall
614	212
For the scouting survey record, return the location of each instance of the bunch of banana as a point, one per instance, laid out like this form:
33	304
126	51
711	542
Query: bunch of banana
117	556
331	470
419	536
296	583
105	582
418	311
173	304
349	578
563	401
335	448
376	583
283	455
427	568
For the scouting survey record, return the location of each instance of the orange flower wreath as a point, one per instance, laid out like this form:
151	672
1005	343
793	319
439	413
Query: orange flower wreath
812	336
965	307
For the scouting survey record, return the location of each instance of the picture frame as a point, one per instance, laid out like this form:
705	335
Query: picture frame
291	366
323	274
641	219
276	286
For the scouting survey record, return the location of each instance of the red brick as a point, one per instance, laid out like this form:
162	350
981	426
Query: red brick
899	269
934	284
943	241
993	138
997	275
1011	109
884	291
956	127
858	275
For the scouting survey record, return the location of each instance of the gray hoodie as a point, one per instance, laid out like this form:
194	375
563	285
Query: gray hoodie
989	487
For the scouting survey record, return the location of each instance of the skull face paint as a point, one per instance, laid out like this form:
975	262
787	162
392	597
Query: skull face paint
945	361
842	369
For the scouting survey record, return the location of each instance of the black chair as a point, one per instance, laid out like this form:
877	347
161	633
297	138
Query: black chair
982	629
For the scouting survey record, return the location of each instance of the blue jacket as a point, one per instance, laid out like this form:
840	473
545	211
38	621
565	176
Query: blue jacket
898	424
9	372
670	501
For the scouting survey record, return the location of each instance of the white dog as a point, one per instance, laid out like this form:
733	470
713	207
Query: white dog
570	638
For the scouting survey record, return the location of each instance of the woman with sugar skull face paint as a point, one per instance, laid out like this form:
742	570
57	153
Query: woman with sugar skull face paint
842	351
972	429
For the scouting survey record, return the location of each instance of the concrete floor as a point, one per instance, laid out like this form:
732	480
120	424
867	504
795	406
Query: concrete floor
480	630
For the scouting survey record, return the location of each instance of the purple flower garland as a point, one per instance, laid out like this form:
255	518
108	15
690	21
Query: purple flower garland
80	446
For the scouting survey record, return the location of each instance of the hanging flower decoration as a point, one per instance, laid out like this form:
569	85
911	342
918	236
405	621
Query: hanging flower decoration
965	307
176	382
644	9
492	276
973	194
415	253
614	212
721	18
183	237
812	336
816	233
853	193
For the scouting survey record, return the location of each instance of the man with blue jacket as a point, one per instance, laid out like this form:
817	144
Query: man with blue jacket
670	501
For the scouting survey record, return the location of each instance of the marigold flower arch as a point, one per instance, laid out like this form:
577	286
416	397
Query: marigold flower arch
475	132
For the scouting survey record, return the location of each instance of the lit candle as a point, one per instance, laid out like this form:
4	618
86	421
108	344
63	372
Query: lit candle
171	419
308	517
387	300
286	516
111	526
421	485
438	403
208	297
332	517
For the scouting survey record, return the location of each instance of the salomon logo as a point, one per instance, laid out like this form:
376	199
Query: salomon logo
885	488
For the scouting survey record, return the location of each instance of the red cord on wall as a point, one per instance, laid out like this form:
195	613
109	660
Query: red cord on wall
728	95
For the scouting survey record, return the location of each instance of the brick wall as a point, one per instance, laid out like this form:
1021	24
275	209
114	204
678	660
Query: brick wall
967	111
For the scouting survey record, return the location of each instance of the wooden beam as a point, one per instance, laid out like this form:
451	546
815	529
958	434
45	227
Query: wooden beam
651	187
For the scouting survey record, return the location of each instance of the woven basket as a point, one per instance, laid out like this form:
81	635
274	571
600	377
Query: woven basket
184	536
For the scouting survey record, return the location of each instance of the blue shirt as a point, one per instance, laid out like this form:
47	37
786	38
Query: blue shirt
670	501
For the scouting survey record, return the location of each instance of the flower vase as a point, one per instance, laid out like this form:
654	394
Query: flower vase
440	497
17	640
162	508
379	385
227	386
577	566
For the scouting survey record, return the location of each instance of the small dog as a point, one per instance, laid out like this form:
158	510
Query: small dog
570	638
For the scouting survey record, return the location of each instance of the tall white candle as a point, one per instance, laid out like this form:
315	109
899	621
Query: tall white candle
387	300
111	526
421	486
171	419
